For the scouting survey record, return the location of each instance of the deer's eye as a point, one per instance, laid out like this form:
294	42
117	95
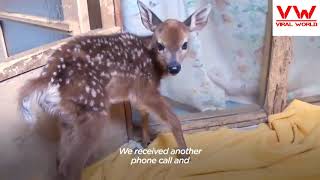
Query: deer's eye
184	46
160	46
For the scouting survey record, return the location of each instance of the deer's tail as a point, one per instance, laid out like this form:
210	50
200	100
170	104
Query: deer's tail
37	92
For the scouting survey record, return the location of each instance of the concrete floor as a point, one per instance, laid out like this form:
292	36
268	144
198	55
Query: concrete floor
34	159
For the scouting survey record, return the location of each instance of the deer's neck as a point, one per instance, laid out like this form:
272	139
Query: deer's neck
159	70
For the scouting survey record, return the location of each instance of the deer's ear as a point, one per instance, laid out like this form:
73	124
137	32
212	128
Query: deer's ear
148	18
198	19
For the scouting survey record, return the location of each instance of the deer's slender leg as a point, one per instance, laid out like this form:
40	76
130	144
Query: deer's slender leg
78	142
145	127
155	103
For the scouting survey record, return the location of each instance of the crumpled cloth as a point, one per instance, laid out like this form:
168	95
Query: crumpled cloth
286	148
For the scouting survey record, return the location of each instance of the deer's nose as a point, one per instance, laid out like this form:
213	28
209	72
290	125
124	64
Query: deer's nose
174	68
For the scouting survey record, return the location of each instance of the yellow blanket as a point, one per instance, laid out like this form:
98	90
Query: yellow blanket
286	149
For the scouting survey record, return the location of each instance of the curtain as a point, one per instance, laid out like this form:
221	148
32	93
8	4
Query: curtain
304	71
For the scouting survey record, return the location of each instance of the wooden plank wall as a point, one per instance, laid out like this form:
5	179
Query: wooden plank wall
107	13
36	21
277	81
111	13
94	14
77	15
232	118
36	58
3	48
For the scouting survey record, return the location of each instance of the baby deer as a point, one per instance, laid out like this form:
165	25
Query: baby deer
86	75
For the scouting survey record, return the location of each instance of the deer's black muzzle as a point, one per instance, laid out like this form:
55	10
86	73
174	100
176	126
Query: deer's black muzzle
174	68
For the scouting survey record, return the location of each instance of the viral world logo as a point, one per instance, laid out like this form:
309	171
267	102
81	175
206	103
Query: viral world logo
295	18
303	17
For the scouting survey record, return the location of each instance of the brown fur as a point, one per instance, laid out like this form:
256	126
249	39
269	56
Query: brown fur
80	121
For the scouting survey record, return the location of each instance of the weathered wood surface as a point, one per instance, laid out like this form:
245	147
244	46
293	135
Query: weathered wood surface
215	114
3	48
129	119
236	118
94	14
111	13
37	57
117	13
309	99
277	81
36	21
266	55
107	13
76	14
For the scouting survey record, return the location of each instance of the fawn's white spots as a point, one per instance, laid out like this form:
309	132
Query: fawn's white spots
70	72
76	50
103	74
137	70
91	103
102	58
43	73
113	73
139	53
87	89
93	93
88	57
